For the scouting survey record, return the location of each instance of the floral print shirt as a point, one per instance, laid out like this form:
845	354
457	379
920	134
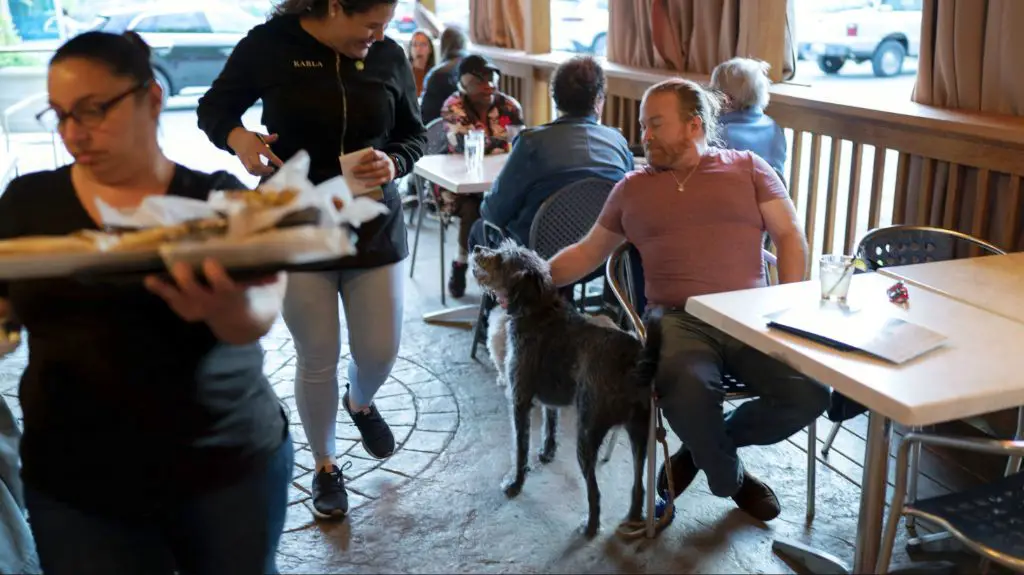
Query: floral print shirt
459	118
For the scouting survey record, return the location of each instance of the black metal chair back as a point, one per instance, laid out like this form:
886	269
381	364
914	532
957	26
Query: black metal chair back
567	216
437	142
902	245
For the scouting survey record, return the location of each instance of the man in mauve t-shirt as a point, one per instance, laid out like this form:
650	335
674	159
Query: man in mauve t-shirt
698	214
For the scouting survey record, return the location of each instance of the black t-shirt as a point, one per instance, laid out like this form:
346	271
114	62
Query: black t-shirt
128	407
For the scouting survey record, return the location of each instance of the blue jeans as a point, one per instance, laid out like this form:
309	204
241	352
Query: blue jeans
694	356
232	530
373	313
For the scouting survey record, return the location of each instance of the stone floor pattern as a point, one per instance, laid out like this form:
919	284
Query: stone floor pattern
419	407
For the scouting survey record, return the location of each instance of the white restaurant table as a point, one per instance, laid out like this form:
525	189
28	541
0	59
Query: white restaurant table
992	283
982	349
449	171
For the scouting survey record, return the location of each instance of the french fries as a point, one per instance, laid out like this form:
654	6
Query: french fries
153	238
264	199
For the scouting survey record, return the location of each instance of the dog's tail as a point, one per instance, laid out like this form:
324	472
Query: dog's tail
647	364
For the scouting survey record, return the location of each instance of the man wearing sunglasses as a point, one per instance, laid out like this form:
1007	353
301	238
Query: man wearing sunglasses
477	105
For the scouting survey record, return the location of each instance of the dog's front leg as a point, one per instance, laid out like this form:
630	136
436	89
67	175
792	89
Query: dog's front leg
521	428
547	452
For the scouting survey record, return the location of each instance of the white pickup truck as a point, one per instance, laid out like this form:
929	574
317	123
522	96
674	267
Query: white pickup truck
883	32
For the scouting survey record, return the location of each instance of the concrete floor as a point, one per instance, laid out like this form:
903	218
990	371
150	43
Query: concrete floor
436	506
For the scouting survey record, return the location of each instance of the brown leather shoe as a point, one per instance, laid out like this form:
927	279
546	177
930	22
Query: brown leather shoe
757	499
684	471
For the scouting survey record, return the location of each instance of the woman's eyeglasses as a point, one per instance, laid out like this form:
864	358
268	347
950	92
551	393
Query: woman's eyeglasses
86	114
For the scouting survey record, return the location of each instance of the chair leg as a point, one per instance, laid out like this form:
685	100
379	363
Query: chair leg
652	466
480	329
915	462
831	437
812	467
419	228
1013	465
441	233
418	184
895	512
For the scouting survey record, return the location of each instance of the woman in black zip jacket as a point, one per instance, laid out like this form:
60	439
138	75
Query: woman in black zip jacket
331	83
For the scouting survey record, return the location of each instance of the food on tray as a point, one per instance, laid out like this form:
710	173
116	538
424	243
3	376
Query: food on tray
264	198
152	238
75	243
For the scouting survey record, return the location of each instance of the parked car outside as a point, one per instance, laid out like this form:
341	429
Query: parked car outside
883	32
190	42
404	22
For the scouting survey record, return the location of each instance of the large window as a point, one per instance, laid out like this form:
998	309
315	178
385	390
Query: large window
404	22
867	47
446	13
453	13
580	26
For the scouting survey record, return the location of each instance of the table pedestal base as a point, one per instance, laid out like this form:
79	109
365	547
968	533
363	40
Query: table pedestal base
462	316
809	559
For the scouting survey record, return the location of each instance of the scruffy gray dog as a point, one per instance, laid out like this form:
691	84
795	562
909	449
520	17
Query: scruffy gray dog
555	355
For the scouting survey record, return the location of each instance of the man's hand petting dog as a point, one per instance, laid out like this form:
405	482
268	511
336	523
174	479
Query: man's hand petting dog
549	352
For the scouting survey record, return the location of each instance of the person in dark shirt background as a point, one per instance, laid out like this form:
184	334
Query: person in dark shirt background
332	83
153	442
442	81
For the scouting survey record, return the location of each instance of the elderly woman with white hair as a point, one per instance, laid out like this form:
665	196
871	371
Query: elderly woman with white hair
744	84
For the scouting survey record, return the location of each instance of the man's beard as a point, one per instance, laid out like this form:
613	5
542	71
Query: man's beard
669	155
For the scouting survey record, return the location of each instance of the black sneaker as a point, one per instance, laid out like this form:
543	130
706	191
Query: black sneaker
378	440
330	500
457	280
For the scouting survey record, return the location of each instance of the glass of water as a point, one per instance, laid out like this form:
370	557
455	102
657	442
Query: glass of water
474	150
835	274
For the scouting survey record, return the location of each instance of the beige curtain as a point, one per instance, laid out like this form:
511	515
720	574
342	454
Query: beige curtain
497	23
629	33
685	35
972	58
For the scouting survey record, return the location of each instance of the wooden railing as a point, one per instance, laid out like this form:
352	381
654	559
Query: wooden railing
851	166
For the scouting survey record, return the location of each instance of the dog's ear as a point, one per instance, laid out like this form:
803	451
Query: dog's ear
527	285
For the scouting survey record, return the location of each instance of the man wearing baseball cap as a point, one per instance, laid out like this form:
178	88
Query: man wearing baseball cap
477	105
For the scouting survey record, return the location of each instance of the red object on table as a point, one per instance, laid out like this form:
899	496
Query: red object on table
898	293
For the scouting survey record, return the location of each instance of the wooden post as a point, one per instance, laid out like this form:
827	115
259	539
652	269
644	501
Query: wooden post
537	18
764	22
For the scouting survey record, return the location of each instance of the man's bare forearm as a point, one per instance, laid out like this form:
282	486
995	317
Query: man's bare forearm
792	254
571	265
